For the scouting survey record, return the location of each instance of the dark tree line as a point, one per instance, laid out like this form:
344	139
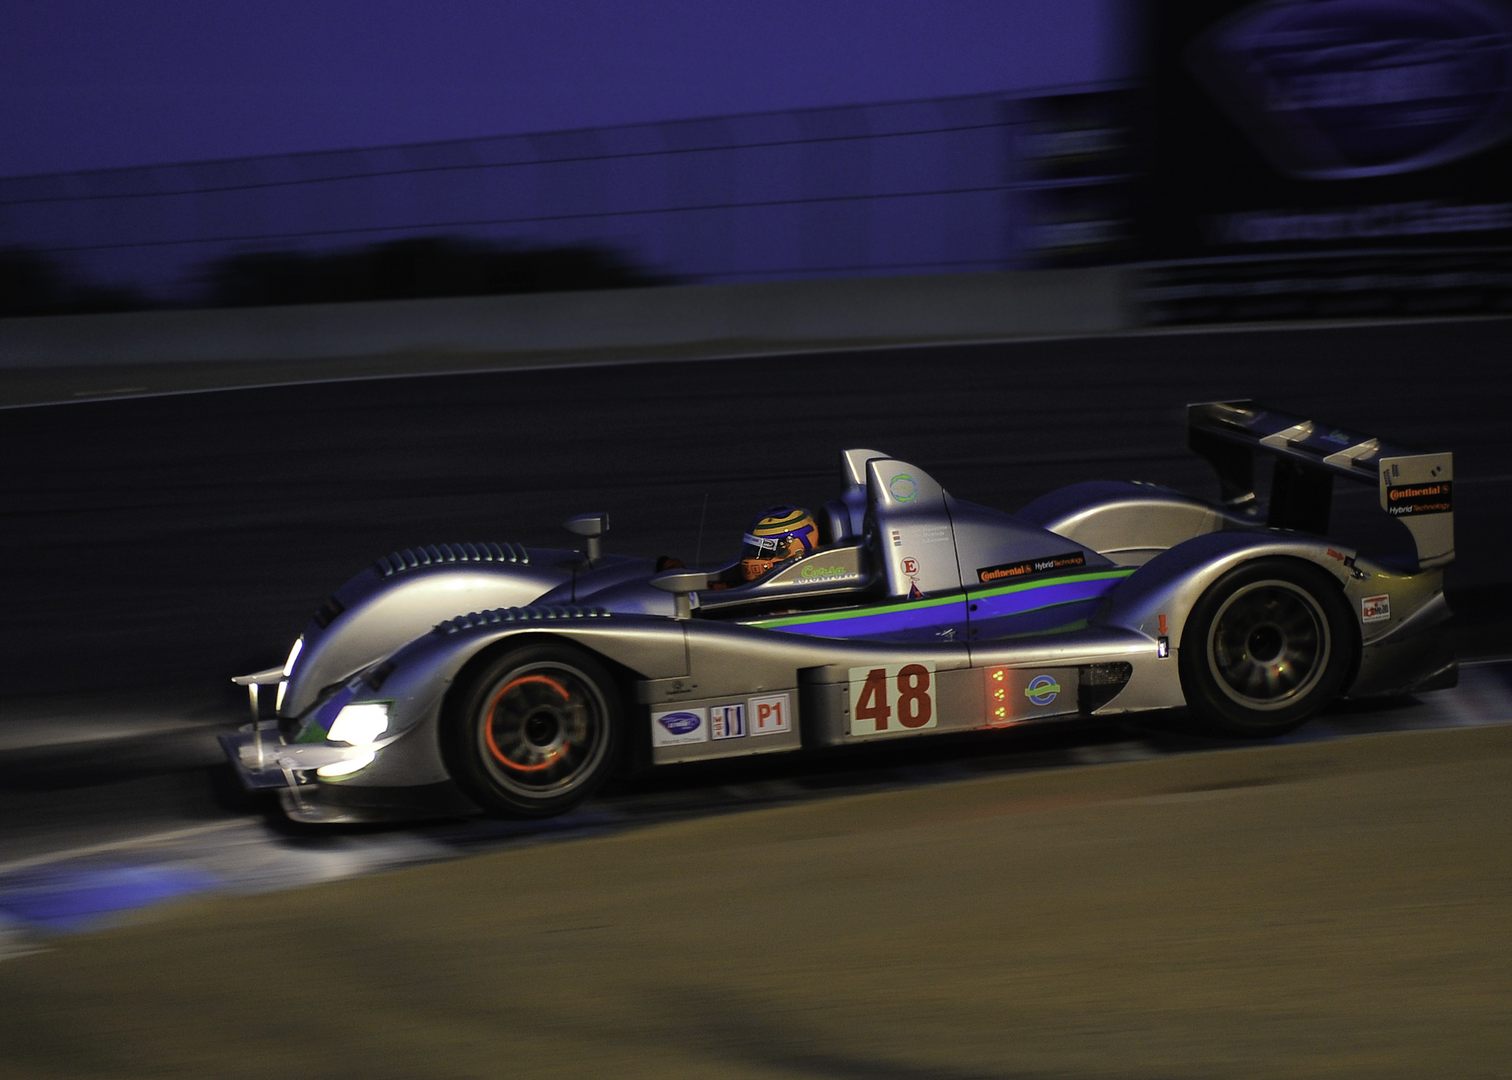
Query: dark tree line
32	284
413	269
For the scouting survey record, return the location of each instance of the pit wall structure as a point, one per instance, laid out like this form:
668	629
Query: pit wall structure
54	357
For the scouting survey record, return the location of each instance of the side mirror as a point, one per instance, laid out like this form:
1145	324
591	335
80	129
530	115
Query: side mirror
592	526
680	583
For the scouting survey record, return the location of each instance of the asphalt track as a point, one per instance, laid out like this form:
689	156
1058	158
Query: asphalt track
1331	909
156	546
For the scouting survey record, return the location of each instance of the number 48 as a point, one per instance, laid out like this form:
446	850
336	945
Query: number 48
900	697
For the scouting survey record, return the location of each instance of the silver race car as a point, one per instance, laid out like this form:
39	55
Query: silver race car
464	677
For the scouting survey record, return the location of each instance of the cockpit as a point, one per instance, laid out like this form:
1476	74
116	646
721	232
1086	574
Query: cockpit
794	560
895	557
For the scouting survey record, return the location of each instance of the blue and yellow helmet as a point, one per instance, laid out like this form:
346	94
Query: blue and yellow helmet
779	533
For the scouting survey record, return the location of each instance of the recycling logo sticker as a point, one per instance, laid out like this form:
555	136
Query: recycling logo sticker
1042	690
903	487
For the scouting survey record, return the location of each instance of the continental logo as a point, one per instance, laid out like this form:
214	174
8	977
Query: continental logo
988	575
1404	500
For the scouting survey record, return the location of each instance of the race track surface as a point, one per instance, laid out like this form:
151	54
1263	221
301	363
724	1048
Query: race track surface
1324	909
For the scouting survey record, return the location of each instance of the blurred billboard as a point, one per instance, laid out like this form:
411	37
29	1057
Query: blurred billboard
1074	163
1329	157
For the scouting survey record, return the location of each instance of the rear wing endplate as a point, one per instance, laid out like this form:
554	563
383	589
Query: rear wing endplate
1416	488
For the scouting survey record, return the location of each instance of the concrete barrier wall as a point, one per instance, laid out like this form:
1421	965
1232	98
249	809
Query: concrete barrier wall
805	314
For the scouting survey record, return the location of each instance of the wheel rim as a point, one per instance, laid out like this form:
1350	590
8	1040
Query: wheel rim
1269	645
542	730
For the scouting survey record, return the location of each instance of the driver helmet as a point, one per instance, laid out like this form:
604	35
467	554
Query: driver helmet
779	533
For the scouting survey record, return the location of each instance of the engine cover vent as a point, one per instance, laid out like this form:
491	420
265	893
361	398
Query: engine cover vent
502	616
439	554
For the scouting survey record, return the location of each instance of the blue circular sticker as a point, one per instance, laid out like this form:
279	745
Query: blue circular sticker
1042	690
902	487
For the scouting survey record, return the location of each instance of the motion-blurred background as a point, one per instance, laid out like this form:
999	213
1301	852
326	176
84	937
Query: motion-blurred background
1260	160
1005	239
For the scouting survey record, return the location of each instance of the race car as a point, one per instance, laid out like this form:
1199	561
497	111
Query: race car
485	677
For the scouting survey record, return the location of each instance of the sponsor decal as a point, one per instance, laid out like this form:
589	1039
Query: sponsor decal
897	538
727	721
1029	567
1014	694
898	698
1042	690
1405	500
1338	438
770	715
680	728
903	487
1375	608
827	573
933	534
911	568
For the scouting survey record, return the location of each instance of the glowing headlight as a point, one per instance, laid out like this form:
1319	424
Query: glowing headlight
360	724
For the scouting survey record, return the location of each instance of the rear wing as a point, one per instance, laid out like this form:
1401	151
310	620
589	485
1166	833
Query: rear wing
1416	488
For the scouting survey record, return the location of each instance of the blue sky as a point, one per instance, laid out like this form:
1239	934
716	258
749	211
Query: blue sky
95	84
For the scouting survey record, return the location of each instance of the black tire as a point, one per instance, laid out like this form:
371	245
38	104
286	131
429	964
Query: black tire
535	732
1268	645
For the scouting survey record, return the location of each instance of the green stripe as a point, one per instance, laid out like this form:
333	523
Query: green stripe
856	613
953	598
1020	586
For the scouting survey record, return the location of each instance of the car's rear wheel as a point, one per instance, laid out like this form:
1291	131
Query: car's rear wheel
1266	647
535	732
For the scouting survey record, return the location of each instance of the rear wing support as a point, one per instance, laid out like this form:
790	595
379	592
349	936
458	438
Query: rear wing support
1416	488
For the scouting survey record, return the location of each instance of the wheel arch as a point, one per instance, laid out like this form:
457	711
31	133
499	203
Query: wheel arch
1163	592
483	658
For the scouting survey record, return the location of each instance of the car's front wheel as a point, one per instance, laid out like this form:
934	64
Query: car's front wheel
535	732
1266	647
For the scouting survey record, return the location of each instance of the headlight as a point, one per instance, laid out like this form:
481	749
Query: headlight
360	724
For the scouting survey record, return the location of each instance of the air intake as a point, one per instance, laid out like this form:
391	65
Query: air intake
504	616
441	554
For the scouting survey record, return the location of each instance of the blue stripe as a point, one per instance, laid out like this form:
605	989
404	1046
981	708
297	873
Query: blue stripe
995	611
994	605
905	620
